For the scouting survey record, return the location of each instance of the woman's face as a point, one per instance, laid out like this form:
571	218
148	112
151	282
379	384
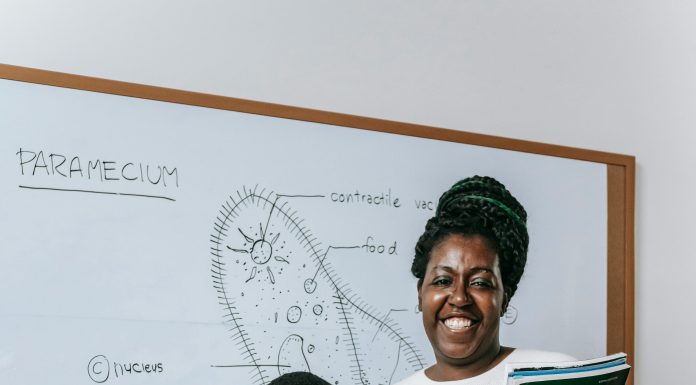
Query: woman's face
462	298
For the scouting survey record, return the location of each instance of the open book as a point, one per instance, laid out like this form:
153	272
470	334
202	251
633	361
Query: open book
609	370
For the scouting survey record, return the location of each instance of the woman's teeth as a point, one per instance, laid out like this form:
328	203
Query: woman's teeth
458	323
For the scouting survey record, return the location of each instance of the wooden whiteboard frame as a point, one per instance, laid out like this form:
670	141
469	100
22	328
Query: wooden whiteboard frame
620	171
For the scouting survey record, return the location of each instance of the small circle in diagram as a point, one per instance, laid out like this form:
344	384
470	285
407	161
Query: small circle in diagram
317	309
294	314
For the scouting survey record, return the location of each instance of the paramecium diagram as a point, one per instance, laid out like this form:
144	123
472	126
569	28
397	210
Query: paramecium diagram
288	309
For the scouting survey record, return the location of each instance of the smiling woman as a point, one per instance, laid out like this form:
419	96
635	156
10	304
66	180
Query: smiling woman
468	263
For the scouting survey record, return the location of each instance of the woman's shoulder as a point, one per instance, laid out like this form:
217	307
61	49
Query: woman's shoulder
530	355
417	378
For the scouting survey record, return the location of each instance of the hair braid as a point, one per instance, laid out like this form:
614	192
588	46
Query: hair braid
479	205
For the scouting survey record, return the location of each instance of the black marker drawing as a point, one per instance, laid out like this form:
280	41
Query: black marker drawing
386	317
318	309
294	314
396	366
96	192
291	355
263	248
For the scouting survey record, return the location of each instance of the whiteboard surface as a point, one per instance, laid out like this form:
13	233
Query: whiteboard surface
94	286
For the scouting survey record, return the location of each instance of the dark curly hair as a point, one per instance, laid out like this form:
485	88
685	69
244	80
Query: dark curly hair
299	378
479	205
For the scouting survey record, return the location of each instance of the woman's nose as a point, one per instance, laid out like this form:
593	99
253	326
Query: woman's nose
459	295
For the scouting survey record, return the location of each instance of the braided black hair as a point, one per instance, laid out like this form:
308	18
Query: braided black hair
479	205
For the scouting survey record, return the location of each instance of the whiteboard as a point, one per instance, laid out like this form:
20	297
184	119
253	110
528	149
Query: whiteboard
158	243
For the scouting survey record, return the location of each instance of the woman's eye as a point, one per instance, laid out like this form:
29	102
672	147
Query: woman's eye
442	281
481	283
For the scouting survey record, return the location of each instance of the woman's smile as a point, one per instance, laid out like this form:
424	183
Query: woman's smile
458	323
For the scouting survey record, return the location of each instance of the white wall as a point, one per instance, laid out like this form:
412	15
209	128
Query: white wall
611	75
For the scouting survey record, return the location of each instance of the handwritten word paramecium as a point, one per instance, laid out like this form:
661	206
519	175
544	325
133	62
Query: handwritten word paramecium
40	163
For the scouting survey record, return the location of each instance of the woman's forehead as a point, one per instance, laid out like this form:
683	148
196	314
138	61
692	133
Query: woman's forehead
463	252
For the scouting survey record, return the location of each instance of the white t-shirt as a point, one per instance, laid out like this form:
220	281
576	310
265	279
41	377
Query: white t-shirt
494	376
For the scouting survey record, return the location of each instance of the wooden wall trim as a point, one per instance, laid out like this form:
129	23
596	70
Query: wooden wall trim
59	79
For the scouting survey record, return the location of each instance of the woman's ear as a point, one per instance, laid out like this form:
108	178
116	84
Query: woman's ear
506	302
420	301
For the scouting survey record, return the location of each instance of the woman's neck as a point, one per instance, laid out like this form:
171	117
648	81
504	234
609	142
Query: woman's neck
451	370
